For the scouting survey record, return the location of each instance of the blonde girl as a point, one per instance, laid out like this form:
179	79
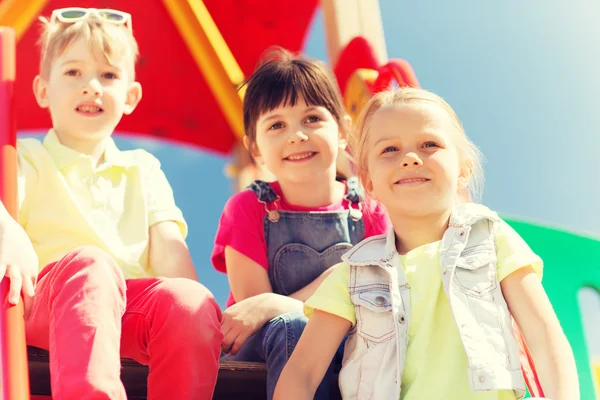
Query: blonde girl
427	307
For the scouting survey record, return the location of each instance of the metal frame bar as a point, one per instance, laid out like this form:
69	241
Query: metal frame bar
13	351
213	57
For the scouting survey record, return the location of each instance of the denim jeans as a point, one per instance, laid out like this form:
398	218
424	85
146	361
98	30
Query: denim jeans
274	344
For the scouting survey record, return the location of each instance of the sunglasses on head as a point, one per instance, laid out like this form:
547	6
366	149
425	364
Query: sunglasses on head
71	15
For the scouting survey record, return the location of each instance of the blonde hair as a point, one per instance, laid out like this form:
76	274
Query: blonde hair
470	155
113	42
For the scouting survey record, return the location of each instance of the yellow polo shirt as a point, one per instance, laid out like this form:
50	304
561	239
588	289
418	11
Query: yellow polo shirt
66	202
436	363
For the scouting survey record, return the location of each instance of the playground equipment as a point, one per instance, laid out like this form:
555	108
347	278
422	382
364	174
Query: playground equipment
13	377
211	46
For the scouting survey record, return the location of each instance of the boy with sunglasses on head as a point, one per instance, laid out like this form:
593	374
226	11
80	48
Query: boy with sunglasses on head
106	230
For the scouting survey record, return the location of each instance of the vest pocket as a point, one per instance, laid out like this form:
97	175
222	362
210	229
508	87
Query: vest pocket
475	273
375	320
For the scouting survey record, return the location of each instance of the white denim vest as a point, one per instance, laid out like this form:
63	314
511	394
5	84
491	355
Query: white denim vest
375	351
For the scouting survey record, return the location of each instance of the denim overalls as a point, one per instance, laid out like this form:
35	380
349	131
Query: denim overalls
300	246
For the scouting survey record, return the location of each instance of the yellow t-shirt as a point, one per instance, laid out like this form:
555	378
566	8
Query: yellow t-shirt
436	364
66	202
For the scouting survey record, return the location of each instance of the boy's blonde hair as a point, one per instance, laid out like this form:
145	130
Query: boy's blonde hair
113	42
470	155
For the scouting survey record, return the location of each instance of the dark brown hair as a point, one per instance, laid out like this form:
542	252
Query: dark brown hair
281	79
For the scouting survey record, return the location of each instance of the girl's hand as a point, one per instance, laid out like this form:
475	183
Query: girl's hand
243	319
240	321
18	261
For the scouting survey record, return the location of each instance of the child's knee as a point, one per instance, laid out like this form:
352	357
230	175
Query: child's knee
193	307
294	323
88	270
284	331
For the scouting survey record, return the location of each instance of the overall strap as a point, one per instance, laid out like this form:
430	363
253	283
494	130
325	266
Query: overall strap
354	197
266	195
264	191
354	194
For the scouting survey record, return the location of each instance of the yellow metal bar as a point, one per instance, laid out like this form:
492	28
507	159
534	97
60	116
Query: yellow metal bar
210	51
358	91
596	366
19	14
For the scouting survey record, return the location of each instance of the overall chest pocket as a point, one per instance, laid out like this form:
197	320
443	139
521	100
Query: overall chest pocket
476	272
374	315
296	265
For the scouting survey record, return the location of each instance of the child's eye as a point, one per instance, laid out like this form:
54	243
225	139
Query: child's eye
72	72
430	144
275	126
110	75
389	149
312	119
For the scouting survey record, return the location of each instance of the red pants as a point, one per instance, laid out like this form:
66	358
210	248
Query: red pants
88	316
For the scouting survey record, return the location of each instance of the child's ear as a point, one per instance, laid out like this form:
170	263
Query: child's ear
134	95
368	186
464	177
345	129
40	91
253	149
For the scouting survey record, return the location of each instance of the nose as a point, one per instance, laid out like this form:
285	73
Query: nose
411	160
93	87
297	136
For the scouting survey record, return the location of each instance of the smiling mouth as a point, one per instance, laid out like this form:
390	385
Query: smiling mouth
411	181
89	109
301	156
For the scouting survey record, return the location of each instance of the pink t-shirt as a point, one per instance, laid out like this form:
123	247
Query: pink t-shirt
242	226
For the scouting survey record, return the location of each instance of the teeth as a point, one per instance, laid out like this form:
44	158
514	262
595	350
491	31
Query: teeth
411	180
89	109
300	156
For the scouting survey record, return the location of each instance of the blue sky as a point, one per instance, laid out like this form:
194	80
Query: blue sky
523	77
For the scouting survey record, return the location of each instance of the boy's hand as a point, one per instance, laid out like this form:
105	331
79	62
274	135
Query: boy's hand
18	262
